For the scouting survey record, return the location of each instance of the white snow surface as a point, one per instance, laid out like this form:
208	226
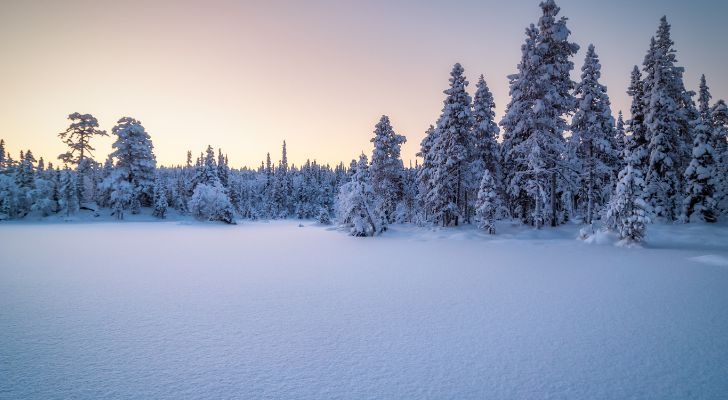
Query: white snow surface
182	310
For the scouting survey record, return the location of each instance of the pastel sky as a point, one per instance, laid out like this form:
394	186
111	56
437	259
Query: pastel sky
245	75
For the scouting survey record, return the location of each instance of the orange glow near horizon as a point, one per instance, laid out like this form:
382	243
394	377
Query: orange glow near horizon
244	76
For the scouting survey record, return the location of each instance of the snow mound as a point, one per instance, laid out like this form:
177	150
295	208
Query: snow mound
711	259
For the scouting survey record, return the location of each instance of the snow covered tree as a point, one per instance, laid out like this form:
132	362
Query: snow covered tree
668	118
386	170
135	161
78	138
425	171
486	205
699	185
628	212
620	143
210	202
9	197
451	161
2	155
593	137
68	202
637	141
486	152
701	173
541	97
719	115
160	199
324	216
357	207
517	125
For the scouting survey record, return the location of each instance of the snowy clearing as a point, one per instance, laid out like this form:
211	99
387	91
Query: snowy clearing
174	310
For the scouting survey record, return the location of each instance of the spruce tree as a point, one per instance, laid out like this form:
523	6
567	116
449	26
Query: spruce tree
425	172
357	208
719	116
628	212
135	162
486	205
160	199
451	162
668	117
68	202
699	185
593	137
2	155
386	169
541	99
485	150
637	142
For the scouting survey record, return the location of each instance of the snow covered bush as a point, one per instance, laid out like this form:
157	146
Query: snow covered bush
357	208
627	212
211	203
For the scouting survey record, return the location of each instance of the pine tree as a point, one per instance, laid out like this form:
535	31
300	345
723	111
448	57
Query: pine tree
487	204
628	212
517	124
535	120
593	137
719	116
357	209
448	195
160	199
699	187
669	113
78	138
386	169
485	130
135	161
2	155
637	142
620	143
68	202
424	173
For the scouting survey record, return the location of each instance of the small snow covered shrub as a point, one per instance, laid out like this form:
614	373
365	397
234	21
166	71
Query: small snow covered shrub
357	207
627	213
211	203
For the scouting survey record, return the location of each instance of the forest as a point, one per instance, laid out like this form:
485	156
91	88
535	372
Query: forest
558	155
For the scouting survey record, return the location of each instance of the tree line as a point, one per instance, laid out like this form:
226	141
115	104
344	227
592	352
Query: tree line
557	155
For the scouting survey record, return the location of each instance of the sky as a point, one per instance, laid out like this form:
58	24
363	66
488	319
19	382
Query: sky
246	75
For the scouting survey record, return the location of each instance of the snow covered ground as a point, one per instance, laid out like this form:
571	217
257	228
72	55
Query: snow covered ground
174	310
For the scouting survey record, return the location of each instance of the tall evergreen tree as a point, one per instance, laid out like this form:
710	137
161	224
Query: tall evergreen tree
593	137
669	114
135	161
386	169
543	88
448	195
485	150
425	183
638	141
699	180
719	115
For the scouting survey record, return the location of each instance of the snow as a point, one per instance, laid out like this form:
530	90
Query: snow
183	309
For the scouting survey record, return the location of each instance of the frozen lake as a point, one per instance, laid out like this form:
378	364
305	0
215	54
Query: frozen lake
275	311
